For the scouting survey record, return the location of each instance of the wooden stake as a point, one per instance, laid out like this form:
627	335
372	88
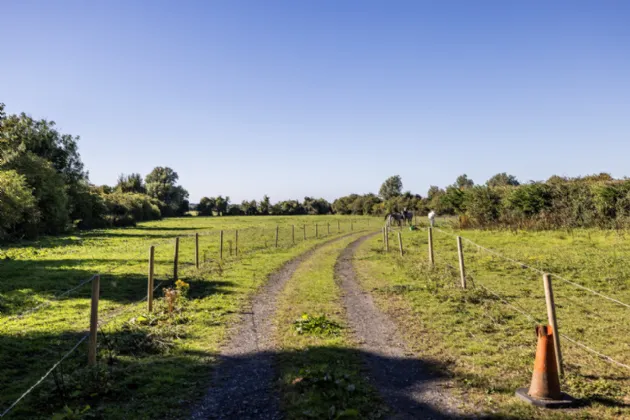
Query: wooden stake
197	250
293	234
277	229
400	245
96	288
386	239
338	226
236	242
176	259
551	317
221	245
304	228
431	257
151	279
316	232
329	228
462	269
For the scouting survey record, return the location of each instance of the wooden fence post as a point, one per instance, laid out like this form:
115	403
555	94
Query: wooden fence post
96	289
277	233
460	254
221	245
176	259
151	279
329	228
431	257
293	234
383	234
316	232
400	244
551	317
236	242
197	250
338	226
304	228
386	239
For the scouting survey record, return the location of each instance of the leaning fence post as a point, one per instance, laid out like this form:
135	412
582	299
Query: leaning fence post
400	244
551	317
221	245
197	250
176	259
460	254
431	257
277	229
236	242
96	288
151	279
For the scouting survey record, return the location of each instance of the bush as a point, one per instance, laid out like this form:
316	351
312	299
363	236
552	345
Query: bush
126	209
18	207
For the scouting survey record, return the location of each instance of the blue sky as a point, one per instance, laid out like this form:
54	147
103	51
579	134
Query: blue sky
326	98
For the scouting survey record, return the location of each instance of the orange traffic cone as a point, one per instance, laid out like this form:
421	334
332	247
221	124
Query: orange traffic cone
544	390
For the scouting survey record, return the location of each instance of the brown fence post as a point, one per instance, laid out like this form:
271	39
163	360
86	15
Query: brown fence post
338	226
96	289
329	228
151	279
176	259
460	254
551	316
400	244
197	250
316	232
304	228
293	234
431	257
277	232
236	242
221	245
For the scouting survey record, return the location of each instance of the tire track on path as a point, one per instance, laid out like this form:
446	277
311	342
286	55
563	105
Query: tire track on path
404	382
243	380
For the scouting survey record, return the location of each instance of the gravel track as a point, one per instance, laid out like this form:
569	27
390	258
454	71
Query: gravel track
403	381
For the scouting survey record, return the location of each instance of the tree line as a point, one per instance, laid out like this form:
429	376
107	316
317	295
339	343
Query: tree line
44	188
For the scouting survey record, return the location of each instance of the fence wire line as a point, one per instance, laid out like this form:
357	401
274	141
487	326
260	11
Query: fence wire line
45	376
595	292
564	336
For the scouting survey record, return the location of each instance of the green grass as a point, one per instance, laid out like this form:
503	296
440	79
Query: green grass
487	345
151	371
320	369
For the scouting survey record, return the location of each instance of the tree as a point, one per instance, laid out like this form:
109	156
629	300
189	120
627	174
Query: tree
501	180
392	187
265	205
206	206
221	205
463	182
131	184
18	207
160	184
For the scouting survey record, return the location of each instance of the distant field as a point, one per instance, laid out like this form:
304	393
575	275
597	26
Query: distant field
35	273
483	334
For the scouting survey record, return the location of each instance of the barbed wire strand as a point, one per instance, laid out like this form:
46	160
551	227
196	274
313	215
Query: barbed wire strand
44	377
588	289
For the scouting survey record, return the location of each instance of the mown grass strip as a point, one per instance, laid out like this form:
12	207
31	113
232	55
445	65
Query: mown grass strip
320	369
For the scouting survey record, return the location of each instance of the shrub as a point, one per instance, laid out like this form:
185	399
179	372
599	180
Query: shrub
18	207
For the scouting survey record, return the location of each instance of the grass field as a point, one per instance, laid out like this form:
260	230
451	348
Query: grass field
150	364
488	344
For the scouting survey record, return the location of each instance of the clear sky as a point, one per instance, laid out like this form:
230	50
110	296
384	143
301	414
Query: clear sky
325	98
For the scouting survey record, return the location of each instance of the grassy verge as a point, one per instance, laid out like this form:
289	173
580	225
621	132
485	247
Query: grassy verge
320	371
150	366
487	345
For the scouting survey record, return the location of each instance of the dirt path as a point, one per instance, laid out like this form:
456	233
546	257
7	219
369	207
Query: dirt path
404	381
243	379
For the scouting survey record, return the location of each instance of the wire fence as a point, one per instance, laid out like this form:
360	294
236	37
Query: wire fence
199	248
531	290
